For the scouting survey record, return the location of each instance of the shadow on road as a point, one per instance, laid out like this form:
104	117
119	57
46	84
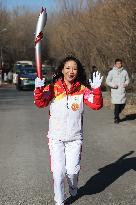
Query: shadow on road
129	117
106	176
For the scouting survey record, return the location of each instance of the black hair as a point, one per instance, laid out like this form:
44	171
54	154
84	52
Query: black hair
118	60
81	77
93	67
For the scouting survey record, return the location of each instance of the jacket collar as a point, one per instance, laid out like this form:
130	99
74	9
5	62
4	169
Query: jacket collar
74	87
118	69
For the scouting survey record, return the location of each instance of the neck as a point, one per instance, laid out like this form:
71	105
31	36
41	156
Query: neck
68	85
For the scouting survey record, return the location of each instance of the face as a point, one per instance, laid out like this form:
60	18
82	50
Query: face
70	71
118	64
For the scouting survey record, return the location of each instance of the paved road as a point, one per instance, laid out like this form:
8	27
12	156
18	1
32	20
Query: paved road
108	165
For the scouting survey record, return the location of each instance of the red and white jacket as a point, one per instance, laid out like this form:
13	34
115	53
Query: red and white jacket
66	108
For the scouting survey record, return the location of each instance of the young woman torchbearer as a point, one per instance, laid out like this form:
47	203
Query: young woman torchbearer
67	97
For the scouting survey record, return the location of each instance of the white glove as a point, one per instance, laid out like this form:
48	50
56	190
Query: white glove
39	82
97	80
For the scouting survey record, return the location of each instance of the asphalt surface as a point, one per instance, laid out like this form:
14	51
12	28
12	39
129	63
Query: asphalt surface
108	163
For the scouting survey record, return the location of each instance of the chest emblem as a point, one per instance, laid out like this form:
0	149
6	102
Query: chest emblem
75	106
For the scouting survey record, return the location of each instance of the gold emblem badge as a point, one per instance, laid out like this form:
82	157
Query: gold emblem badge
75	106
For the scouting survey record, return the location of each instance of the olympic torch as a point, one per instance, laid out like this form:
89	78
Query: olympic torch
38	38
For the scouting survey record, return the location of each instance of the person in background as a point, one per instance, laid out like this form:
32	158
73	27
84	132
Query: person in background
0	77
5	77
118	80
67	96
10	76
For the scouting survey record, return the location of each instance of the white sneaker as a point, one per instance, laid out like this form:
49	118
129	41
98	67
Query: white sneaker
59	204
73	191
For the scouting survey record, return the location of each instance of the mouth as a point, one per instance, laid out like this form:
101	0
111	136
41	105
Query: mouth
71	76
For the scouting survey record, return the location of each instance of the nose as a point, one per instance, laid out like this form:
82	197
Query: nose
71	70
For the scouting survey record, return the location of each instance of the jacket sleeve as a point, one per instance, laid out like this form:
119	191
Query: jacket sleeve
109	79
43	95
127	80
93	98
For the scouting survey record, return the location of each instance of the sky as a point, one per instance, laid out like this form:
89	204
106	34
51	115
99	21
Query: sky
34	4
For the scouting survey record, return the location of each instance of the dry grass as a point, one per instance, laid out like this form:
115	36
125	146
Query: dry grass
130	107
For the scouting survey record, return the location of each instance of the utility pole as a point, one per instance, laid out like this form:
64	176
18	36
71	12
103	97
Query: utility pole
1	49
1	54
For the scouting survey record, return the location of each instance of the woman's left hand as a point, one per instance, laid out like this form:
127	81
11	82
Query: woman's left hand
97	80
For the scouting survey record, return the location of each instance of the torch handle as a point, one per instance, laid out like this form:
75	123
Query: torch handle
38	60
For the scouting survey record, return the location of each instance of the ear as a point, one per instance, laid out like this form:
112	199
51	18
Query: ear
63	70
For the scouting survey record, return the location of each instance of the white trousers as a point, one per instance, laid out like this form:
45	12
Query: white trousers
65	161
